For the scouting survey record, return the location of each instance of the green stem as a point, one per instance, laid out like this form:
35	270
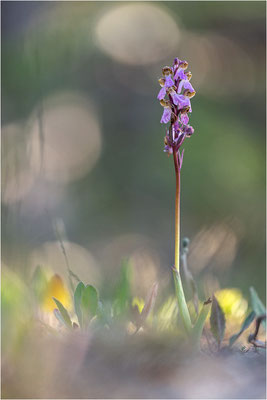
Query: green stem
183	309
177	213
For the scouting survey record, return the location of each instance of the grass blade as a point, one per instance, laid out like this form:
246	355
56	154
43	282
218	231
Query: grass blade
199	325
247	322
64	313
257	305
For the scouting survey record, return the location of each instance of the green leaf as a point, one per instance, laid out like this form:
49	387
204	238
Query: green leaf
64	313
182	306
248	320
200	322
257	305
217	321
123	289
89	303
59	317
77	302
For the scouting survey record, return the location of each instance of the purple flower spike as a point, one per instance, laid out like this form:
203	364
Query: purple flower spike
166	116
175	83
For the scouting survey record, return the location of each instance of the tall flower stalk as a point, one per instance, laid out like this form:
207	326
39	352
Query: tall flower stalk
174	95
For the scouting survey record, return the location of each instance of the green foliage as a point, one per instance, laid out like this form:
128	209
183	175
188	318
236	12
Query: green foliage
90	311
39	283
182	302
89	303
247	322
86	303
16	310
200	322
217	321
257	305
64	313
122	294
59	317
77	301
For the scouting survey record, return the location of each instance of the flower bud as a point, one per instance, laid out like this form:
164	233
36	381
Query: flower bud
185	110
183	64
166	71
185	242
171	90
189	94
161	82
164	103
189	75
189	131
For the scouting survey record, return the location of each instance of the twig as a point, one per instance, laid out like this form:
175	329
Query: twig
253	336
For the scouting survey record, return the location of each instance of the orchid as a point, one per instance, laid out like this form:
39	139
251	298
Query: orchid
177	106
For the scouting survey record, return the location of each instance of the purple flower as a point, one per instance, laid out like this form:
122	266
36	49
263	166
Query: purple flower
166	116
162	93
186	85
184	118
165	83
179	74
176	63
168	149
183	102
189	130
175	97
168	81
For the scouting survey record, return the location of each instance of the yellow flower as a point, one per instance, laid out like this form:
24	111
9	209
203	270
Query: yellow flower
232	302
55	288
139	303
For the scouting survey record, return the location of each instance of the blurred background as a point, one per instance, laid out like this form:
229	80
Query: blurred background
82	143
